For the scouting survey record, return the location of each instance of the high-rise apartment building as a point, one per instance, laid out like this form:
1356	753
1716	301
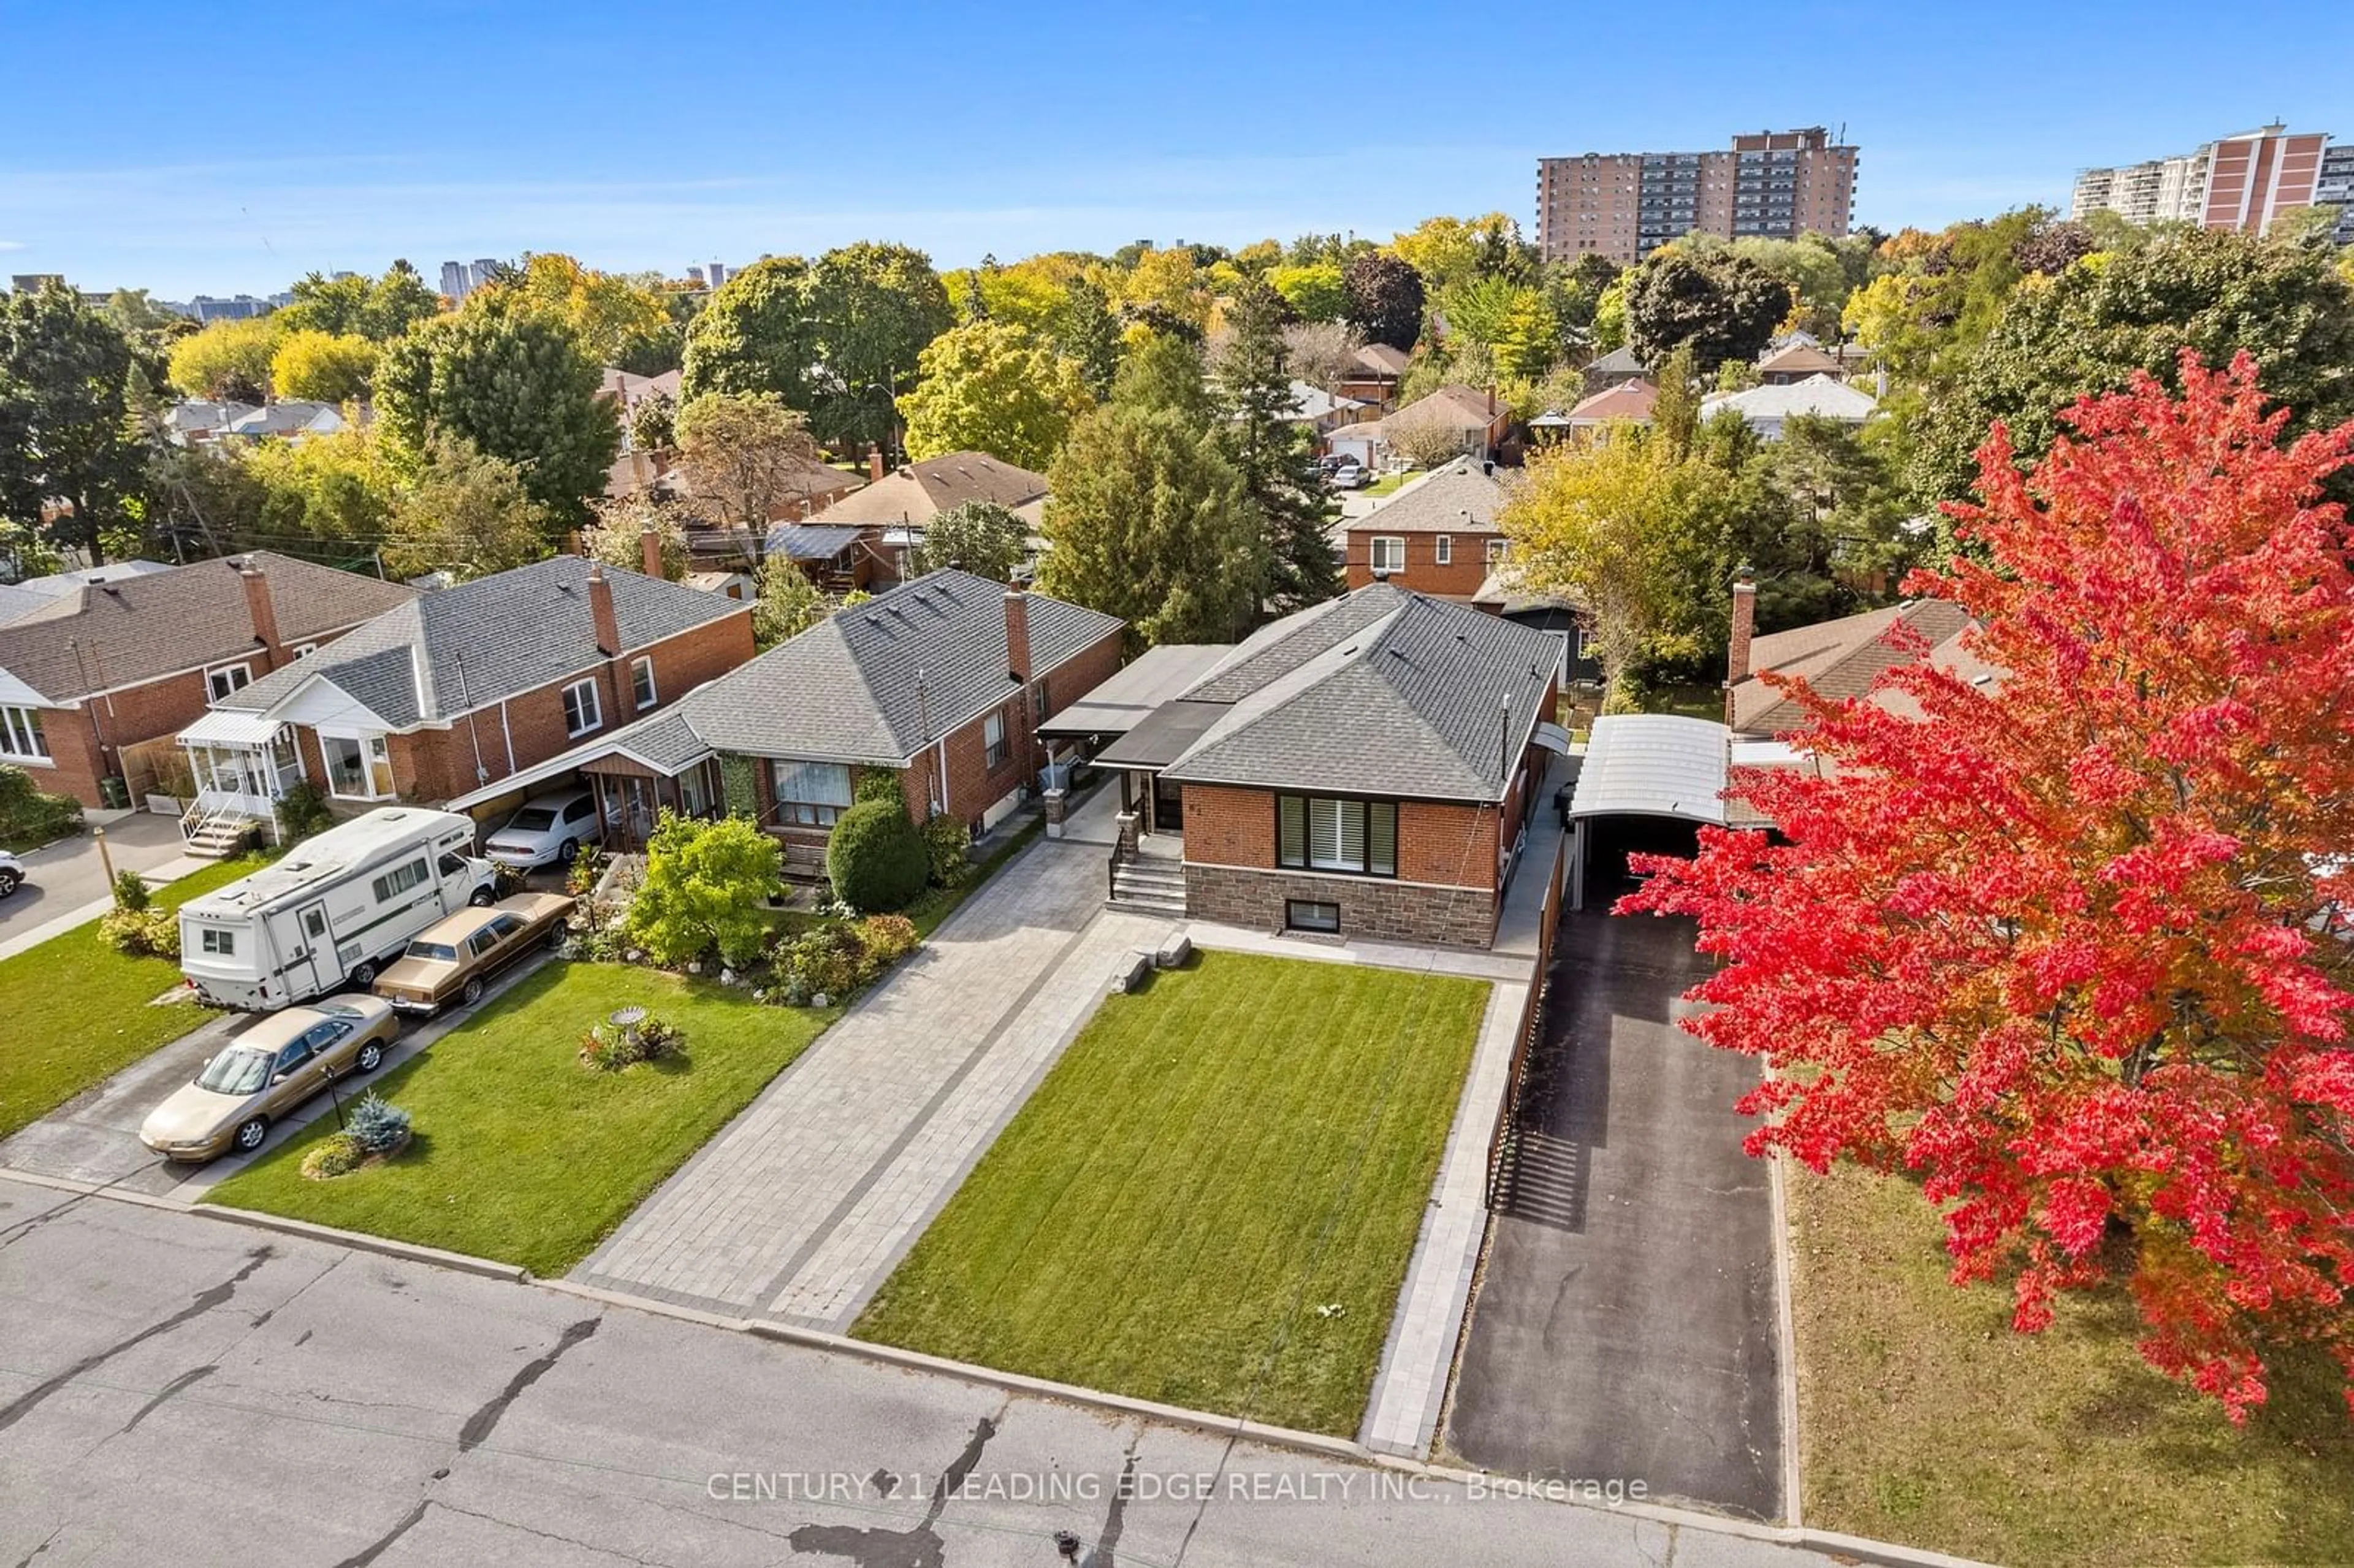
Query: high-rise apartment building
1771	184
2240	182
455	283
2334	186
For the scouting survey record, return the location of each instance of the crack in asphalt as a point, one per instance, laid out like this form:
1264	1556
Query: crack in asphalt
383	1544
920	1547
483	1422
193	1375
1105	1555
204	1302
42	1550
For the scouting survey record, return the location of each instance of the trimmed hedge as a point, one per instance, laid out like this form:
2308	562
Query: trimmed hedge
877	858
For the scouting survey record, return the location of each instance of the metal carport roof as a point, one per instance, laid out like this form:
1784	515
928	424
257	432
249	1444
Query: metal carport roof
1654	764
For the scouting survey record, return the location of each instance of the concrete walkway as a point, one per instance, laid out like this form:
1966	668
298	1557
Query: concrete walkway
800	1209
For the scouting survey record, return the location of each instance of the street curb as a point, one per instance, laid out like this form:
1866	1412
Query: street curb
1856	1547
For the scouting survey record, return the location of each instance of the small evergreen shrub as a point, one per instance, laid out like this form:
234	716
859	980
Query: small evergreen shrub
948	841
140	933
301	812
338	1154
131	890
377	1128
876	857
879	784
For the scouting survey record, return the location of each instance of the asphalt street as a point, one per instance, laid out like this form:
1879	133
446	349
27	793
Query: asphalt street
176	1388
62	877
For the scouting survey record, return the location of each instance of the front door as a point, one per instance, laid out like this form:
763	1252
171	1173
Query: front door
1168	806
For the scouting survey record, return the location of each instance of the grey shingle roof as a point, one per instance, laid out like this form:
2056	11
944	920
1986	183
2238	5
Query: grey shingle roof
1282	646
1425	700
1460	498
494	637
847	689
812	541
94	637
1618	362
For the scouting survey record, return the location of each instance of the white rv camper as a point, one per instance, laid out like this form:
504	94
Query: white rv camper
335	910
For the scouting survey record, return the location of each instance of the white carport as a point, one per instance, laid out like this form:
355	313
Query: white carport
1642	773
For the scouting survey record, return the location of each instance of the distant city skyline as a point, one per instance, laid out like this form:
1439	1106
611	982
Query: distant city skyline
1056	128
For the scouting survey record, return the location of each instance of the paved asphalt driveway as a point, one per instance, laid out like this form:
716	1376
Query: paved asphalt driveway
1626	1324
178	1389
62	877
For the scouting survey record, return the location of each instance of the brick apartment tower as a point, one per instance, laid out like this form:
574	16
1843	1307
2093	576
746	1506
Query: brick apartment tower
2240	182
1773	184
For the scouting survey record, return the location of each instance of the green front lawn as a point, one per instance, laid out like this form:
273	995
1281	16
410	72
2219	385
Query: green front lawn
77	1010
1213	1198
1923	1419
520	1153
1389	484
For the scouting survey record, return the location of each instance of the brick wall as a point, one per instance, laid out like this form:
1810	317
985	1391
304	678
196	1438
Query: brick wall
974	786
1460	578
82	740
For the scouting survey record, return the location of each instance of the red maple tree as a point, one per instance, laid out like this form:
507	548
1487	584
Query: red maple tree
2062	925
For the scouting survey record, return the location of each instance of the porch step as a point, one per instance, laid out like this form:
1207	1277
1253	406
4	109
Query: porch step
217	836
1158	886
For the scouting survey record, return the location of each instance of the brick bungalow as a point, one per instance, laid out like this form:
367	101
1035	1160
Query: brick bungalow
1364	768
940	682
462	688
112	663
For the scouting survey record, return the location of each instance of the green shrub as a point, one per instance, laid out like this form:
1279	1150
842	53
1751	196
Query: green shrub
824	960
879	784
142	933
337	1154
948	841
607	1048
376	1127
588	866
131	890
706	888
30	815
876	857
884	940
301	812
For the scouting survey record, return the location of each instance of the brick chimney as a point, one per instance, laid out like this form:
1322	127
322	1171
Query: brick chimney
1017	635
874	463
1745	628
263	613
650	553
600	610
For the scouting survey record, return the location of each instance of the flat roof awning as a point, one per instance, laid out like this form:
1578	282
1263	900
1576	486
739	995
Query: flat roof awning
230	727
1655	765
1163	736
813	542
1140	686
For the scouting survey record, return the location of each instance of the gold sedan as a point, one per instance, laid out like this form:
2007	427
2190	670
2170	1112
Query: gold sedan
453	960
268	1071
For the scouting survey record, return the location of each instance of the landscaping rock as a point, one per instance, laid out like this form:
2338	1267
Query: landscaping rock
1130	975
1173	951
727	977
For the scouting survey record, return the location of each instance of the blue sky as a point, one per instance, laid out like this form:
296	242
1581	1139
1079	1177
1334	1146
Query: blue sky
228	151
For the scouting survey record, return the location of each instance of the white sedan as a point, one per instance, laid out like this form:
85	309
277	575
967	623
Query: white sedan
549	829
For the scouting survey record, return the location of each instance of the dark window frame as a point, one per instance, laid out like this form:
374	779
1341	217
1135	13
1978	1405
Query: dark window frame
1291	922
1307	853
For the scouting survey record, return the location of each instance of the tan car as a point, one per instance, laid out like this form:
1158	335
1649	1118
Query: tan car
268	1071
454	958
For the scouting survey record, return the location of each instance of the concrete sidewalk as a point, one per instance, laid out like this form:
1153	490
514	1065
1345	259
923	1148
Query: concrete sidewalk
800	1209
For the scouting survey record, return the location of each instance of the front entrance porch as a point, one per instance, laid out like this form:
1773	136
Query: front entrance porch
242	764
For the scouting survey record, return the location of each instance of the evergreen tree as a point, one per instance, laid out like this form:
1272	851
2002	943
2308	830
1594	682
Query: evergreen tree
1085	332
66	431
1275	454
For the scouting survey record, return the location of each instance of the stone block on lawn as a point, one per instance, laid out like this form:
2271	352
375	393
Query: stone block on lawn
1131	973
1174	949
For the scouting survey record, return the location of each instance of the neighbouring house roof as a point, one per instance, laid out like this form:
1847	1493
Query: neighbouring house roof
287	418
461	648
1503	589
1667	765
1459	497
205	414
1383	359
1380	692
847	690
1817	395
1311	402
1362	431
127	627
1619	362
628	389
812	541
1461	408
1795	359
1631	400
1153	678
714	582
917	493
1837	658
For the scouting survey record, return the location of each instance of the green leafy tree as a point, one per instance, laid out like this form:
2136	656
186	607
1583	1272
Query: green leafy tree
329	498
979	536
322	366
1722	308
1163	370
1275	454
990	387
875	857
1084	331
706	890
1314	291
619	322
66	426
2088	330
653	422
227	359
876	307
466	513
788	603
748	454
756	334
1383	298
617	536
1149	521
1450	251
378	309
1609	329
515	385
201	500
